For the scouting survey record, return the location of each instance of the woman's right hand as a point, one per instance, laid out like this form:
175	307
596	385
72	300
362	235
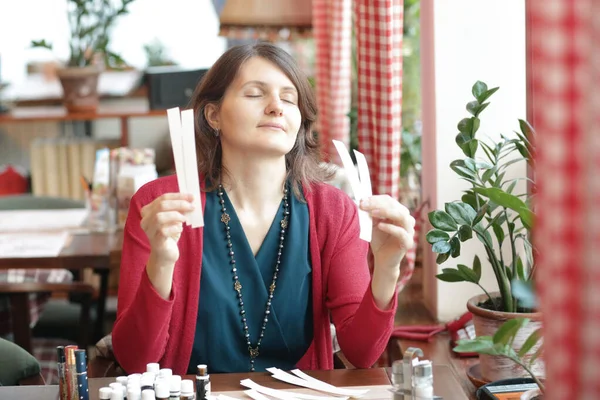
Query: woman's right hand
162	221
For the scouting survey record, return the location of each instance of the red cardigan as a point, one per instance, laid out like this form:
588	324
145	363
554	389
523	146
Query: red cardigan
151	329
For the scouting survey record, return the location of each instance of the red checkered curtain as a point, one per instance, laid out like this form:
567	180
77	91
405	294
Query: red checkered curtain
332	31
564	43
379	47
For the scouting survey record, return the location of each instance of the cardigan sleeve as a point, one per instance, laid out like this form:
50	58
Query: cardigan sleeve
140	332
363	329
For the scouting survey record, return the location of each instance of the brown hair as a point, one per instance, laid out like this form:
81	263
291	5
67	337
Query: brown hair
302	162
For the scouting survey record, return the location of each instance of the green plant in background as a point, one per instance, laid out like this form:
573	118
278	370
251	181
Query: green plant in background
90	22
156	54
489	205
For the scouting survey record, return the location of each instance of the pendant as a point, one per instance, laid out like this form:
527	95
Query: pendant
253	352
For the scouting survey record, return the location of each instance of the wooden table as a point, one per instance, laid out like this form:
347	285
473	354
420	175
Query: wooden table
444	382
104	111
95	250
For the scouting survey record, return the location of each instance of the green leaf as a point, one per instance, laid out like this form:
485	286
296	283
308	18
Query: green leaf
488	174
450	275
470	199
436	235
520	269
507	331
461	139
455	245
461	212
508	200
468	273
473	107
442	220
479	88
530	342
483	165
511	187
475	345
499	232
441	247
526	129
465	233
442	257
536	355
460	168
465	126
473	144
477	267
470	163
481	108
508	273
41	43
486	95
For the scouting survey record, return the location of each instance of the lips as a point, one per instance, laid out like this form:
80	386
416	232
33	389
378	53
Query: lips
272	125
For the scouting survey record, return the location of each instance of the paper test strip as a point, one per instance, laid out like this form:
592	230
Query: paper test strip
361	186
183	142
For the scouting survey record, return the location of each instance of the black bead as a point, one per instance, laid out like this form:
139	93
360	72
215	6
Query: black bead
241	303
262	335
235	277
231	253
267	312
287	212
281	238
269	302
232	262
266	320
279	253
247	335
242	312
270	297
244	320
234	270
282	231
227	228
281	246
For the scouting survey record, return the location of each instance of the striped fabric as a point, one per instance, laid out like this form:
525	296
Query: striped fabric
332	31
564	50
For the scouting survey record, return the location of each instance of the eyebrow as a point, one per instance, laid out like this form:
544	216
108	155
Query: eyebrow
264	84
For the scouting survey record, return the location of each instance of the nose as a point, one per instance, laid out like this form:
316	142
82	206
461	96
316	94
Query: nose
274	107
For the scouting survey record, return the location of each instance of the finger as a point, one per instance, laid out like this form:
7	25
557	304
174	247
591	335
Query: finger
176	196
181	206
406	239
169	231
397	215
167	218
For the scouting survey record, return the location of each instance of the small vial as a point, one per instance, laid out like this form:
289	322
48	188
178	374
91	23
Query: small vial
122	380
153	367
147	382
165	373
134	393
187	390
162	391
104	393
116	386
116	394
175	387
423	380
202	382
148	394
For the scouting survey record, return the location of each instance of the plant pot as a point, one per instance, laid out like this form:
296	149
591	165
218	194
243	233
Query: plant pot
487	322
80	88
533	394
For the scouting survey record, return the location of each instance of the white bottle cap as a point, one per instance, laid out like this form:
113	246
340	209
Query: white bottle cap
122	380
117	394
104	393
175	384
153	367
134	393
147	380
148	394
134	377
134	386
187	387
162	390
165	373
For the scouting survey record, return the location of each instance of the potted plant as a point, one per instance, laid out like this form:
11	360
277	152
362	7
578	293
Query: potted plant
501	345
491	212
90	22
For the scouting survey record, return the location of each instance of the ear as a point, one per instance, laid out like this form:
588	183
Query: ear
211	113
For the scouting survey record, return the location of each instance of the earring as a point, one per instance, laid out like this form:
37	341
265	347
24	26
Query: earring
217	132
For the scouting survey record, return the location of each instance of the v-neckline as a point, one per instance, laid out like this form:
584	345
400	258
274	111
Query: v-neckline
236	220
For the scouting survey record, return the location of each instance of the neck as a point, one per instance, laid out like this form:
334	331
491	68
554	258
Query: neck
253	184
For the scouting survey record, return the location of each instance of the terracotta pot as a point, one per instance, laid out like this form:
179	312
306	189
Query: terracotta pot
80	88
533	394
487	322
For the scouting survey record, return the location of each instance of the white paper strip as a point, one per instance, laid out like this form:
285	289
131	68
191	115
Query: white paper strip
174	118
191	166
282	395
311	383
359	187
253	394
367	191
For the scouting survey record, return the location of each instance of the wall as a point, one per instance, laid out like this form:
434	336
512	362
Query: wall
472	40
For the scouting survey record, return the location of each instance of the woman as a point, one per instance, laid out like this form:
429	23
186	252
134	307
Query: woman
279	256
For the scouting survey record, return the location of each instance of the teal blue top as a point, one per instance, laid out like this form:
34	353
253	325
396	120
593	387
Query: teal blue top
219	340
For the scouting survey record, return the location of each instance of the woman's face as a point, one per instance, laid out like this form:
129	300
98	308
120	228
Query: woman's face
259	112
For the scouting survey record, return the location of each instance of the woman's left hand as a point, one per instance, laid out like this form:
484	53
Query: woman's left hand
393	231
